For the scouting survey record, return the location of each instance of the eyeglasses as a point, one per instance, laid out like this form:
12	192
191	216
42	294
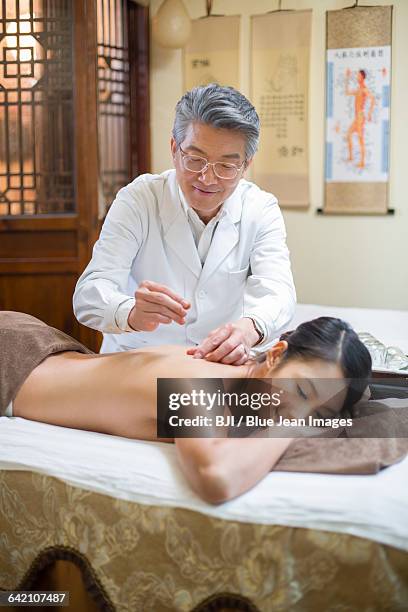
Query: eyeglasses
195	163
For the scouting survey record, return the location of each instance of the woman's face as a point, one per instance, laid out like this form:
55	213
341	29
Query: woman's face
306	386
311	386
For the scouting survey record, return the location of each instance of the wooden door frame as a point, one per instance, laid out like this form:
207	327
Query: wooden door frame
139	58
86	139
74	234
86	111
86	124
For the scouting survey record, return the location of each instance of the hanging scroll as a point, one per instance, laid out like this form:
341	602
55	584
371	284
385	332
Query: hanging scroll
358	76
212	53
280	81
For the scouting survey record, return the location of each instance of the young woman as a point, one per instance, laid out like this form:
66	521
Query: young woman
47	376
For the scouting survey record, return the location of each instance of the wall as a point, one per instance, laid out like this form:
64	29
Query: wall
338	260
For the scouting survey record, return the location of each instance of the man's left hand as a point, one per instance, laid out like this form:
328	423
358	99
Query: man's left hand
229	344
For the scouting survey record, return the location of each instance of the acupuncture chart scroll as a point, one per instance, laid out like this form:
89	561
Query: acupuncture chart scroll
280	54
358	84
212	53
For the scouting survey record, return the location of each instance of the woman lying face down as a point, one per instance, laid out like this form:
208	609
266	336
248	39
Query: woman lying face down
325	348
116	393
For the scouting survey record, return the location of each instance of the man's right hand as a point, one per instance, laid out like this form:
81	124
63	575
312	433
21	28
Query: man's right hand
156	304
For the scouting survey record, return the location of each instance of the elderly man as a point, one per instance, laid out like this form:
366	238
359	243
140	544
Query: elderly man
195	255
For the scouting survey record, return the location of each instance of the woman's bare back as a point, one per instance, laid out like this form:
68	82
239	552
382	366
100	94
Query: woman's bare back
109	393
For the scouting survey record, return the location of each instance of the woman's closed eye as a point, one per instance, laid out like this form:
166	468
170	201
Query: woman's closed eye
301	393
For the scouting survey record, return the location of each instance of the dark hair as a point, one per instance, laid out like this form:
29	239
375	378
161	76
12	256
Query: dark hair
363	73
220	107
336	341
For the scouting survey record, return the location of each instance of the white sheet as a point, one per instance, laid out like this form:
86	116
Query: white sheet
373	507
388	326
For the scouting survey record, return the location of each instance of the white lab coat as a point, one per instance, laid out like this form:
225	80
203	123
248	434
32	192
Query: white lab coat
146	236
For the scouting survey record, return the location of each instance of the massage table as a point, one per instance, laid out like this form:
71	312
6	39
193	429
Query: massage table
123	512
113	521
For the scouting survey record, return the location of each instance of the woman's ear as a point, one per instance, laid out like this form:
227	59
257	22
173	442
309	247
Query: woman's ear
274	355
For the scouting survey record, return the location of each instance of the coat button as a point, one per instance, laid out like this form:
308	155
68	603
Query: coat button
201	294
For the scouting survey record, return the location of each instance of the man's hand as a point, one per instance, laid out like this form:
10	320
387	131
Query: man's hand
228	344
156	304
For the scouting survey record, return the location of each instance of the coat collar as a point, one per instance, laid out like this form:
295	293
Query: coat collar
226	236
176	230
178	235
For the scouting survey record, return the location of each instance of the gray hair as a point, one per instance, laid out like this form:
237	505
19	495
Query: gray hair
220	107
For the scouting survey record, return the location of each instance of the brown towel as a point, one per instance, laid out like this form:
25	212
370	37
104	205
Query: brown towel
386	418
342	455
375	441
24	343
